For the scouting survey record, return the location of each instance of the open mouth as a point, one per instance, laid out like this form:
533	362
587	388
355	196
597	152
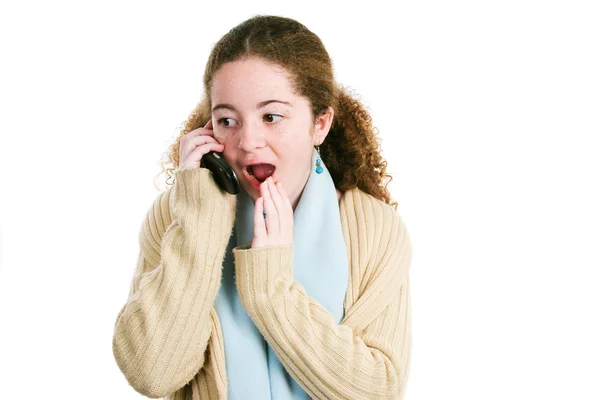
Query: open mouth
260	172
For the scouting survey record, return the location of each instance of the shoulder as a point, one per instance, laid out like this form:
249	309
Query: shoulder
366	209
372	225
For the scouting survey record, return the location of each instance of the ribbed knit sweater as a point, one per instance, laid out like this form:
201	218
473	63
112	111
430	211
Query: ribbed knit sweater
167	337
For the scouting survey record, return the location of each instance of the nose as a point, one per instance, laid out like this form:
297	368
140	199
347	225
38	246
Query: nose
251	137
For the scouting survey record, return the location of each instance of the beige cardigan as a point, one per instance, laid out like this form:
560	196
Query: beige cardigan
167	338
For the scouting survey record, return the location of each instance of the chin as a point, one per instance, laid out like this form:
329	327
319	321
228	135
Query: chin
245	185
253	193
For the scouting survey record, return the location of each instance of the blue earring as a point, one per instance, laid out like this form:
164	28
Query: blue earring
319	168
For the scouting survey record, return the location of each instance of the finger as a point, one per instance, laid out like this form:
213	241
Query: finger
271	212
187	138
260	232
286	214
202	142
285	197
202	139
194	159
205	148
206	130
277	200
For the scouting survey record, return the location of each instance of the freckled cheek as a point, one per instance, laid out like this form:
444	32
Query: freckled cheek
220	136
228	140
231	150
287	147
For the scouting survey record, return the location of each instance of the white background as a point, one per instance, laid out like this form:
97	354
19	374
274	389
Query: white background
488	113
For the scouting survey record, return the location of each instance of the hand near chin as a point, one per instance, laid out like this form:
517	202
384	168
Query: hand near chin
277	229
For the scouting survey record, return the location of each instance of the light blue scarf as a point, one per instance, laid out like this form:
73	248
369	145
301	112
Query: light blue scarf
320	266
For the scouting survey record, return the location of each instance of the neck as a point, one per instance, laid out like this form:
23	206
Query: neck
295	197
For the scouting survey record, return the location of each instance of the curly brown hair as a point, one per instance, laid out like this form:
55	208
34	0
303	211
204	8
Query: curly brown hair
351	150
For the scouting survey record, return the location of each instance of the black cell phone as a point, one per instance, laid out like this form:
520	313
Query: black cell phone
222	172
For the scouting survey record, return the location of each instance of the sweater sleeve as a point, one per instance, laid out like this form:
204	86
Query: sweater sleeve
367	355
162	332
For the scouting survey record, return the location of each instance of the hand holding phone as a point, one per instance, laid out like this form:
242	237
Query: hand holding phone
199	149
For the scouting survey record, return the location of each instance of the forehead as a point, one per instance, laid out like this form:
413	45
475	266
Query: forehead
249	80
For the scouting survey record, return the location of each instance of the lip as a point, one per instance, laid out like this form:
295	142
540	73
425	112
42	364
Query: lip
255	162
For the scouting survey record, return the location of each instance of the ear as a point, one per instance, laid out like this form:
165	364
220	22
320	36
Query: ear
322	124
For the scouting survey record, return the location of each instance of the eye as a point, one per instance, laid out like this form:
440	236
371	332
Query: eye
221	123
273	115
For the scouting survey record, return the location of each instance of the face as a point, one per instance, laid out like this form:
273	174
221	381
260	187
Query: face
260	120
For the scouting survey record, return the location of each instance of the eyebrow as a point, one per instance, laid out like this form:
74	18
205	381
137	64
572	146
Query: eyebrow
258	106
